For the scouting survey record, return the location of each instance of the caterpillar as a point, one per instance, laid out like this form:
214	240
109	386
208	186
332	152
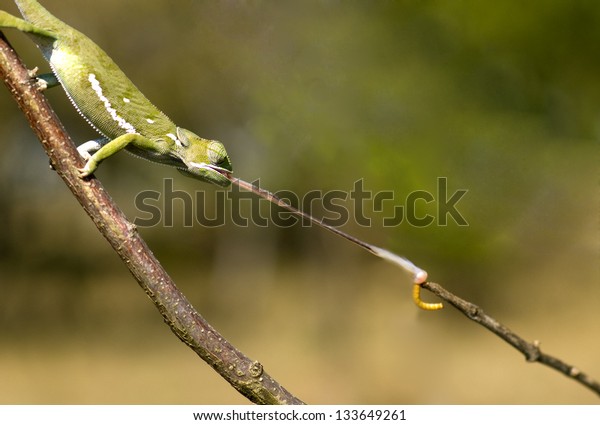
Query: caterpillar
422	304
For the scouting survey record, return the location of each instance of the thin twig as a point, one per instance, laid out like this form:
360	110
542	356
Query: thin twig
245	375
531	350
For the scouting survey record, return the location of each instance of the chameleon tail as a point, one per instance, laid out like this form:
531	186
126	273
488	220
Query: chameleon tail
35	13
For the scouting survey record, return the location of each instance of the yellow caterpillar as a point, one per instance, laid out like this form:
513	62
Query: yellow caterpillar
422	304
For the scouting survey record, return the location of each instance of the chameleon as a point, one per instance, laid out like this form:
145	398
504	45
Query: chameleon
126	119
110	102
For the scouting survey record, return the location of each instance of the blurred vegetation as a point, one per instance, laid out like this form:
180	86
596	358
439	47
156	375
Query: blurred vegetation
502	99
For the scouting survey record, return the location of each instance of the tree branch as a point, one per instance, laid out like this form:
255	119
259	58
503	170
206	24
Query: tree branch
531	351
245	375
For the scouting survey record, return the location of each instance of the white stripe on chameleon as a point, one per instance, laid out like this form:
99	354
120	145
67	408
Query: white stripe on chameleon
126	100
112	111
175	139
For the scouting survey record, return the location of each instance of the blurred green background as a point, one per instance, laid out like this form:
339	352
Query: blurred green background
501	98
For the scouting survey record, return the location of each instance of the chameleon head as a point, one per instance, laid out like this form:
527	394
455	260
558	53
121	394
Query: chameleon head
205	159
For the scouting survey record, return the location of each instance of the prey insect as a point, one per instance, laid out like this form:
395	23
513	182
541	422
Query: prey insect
422	304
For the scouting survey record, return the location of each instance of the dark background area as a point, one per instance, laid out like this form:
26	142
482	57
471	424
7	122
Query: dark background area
502	99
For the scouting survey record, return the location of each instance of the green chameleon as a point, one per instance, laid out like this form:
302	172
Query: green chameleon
127	120
112	104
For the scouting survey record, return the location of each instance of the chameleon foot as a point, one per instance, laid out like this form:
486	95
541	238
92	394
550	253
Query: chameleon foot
82	173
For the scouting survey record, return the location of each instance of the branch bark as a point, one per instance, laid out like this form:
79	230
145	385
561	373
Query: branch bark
531	350
245	375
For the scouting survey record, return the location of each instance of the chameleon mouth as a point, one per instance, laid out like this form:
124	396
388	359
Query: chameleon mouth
223	171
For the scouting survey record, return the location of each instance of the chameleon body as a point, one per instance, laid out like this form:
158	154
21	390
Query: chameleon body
113	105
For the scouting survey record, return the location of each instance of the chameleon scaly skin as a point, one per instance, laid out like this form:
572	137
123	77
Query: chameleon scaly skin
113	105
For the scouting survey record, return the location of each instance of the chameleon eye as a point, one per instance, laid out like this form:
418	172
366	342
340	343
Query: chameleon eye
183	137
216	153
182	142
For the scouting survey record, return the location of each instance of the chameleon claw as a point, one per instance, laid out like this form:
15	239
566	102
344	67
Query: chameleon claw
90	166
45	81
39	81
40	84
422	304
33	72
82	173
